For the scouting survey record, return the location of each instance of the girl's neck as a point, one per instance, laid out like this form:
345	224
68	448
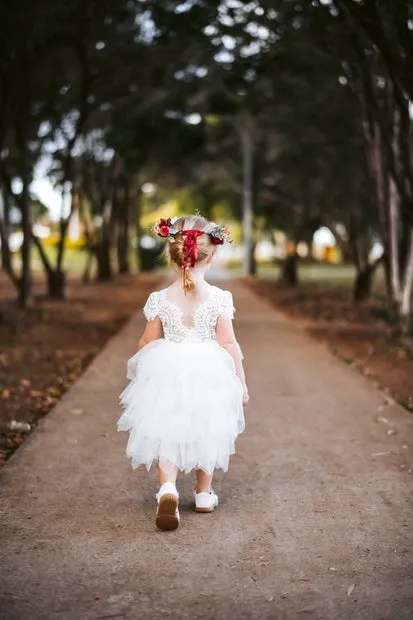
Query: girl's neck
198	276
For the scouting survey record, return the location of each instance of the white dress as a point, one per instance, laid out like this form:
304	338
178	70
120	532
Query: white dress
183	406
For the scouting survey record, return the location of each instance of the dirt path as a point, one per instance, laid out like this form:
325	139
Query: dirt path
315	514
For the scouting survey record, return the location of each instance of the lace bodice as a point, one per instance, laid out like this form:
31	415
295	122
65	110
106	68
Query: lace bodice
218	303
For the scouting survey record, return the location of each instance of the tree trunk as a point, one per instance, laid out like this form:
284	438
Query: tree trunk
6	257
64	225
103	246
56	284
55	278
123	247
5	248
406	292
289	273
364	280
382	186
138	228
363	284
253	259
343	244
122	229
247	197
394	258
104	271
25	279
86	277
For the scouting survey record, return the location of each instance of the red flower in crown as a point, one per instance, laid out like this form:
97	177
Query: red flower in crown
216	240
219	234
163	227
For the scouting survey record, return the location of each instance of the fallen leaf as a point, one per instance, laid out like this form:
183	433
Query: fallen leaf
350	589
35	393
53	391
391	431
382	420
5	394
77	411
21	427
25	382
17	440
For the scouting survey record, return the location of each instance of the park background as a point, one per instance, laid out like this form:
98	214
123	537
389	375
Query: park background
290	121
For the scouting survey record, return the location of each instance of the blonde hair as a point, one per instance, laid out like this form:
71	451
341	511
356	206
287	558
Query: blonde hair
176	249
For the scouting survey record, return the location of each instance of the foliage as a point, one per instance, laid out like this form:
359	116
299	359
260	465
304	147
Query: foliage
115	94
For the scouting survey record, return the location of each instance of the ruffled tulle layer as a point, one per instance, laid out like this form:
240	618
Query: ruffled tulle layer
183	406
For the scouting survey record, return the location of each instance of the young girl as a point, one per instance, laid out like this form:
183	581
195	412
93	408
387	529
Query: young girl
184	405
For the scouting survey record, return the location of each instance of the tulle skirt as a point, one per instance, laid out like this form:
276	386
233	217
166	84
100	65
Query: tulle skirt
182	407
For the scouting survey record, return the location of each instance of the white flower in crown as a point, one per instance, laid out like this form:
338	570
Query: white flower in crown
220	234
174	230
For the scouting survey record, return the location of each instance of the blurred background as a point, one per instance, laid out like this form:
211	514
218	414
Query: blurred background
290	121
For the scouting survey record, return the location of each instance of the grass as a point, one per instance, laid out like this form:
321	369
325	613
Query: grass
326	275
74	260
314	273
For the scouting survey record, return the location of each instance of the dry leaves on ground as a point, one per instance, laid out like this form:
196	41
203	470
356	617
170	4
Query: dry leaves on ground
47	347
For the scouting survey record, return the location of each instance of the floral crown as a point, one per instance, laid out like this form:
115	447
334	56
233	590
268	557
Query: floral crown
218	233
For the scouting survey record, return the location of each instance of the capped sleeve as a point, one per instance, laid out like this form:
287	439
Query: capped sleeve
226	306
151	308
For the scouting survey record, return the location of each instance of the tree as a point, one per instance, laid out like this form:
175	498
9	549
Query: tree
55	67
381	48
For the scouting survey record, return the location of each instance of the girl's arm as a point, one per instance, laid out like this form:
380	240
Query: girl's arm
227	339
153	331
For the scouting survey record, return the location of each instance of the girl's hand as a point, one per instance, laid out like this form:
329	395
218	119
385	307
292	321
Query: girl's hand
245	396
